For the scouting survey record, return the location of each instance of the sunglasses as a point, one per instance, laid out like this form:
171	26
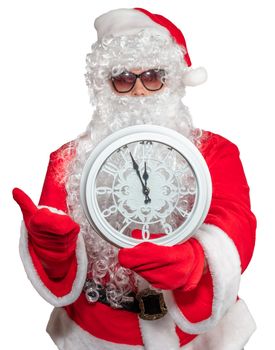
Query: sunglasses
152	80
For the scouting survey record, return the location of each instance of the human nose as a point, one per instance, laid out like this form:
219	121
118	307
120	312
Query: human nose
138	89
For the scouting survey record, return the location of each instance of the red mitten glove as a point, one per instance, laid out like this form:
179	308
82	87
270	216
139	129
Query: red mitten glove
180	266
52	235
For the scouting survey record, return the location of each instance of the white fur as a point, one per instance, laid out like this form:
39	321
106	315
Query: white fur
144	50
159	334
225	268
194	77
67	335
232	333
35	279
126	22
51	209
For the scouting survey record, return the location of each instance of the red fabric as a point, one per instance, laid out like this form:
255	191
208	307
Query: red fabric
138	234
121	327
59	286
103	322
174	31
54	192
229	210
180	266
196	305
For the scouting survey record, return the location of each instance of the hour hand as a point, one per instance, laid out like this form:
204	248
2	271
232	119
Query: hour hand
145	175
146	191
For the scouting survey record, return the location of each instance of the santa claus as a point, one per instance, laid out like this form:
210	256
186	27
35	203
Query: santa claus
137	72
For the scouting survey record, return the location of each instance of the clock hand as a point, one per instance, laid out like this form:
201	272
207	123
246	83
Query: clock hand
136	168
144	188
145	177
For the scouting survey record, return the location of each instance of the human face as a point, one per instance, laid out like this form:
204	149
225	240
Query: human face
139	89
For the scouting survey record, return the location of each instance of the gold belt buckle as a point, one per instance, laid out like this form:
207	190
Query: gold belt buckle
151	304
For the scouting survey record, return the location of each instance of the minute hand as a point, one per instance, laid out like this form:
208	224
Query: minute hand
135	166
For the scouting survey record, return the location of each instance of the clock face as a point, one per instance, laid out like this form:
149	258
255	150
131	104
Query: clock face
142	187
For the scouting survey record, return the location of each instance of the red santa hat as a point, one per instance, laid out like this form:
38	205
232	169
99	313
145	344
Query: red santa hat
131	21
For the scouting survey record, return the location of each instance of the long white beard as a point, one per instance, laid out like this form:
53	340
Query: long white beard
113	113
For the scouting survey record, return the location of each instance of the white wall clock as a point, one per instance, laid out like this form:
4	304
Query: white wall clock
147	178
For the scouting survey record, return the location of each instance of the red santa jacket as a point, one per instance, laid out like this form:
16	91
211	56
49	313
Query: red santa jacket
209	317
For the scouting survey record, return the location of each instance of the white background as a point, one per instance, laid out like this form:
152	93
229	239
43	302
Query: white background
44	103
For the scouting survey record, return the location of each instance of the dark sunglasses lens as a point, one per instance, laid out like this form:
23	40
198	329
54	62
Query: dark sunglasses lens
124	81
153	79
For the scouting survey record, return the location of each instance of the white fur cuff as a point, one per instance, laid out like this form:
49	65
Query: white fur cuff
225	268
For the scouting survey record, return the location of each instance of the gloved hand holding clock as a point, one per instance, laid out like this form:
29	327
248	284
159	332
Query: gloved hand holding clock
179	266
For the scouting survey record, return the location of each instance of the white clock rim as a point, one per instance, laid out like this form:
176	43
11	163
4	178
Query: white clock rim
134	134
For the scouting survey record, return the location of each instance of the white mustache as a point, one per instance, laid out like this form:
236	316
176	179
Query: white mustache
114	112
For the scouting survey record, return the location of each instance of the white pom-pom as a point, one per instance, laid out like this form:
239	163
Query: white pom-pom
195	77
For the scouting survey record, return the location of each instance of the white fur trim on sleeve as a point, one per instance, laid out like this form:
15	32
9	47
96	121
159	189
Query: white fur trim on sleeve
225	268
231	333
35	279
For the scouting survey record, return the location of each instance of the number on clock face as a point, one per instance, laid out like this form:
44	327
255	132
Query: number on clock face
145	185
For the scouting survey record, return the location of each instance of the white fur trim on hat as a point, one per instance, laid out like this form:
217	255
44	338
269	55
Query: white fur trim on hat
35	279
225	268
194	77
126	22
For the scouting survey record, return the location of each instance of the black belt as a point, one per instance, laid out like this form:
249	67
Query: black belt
149	304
